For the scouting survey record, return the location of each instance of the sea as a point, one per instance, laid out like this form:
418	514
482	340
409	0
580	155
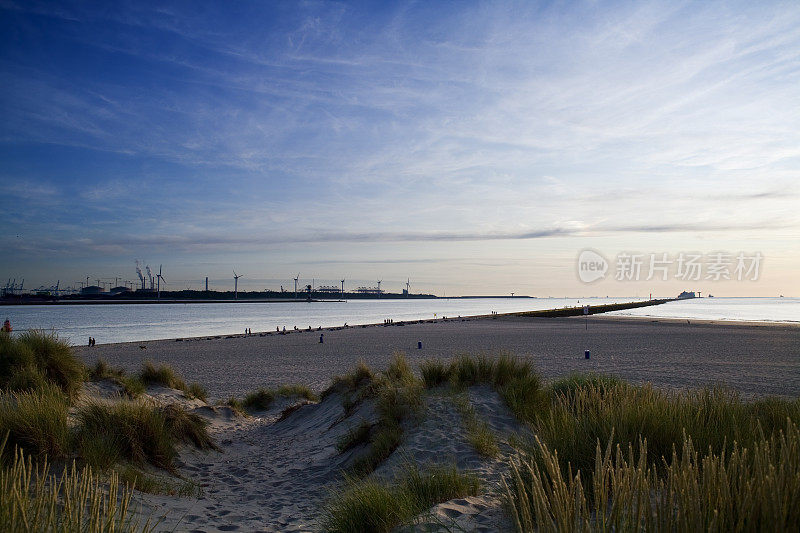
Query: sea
111	323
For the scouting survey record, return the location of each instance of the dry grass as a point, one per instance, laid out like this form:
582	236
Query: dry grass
36	421
397	394
30	360
132	386
31	499
136	432
377	506
163	375
754	488
479	434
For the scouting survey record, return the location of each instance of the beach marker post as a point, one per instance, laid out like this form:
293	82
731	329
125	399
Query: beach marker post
586	354
419	345
586	317
321	335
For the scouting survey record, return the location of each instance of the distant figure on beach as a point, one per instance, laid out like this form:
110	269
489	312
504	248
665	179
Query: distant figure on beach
91	341
7	326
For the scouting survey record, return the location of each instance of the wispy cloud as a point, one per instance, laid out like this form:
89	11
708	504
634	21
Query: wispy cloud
424	122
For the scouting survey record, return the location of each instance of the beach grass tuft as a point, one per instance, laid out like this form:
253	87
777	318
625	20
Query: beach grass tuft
349	383
397	394
301	391
434	373
33	499
262	399
35	357
479	434
749	488
136	432
357	435
195	390
163	375
132	386
378	506
36	421
259	400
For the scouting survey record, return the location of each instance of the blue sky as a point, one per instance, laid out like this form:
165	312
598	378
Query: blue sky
475	147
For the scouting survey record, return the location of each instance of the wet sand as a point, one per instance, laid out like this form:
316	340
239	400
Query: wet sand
755	359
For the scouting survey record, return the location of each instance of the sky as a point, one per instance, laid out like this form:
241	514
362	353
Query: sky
473	147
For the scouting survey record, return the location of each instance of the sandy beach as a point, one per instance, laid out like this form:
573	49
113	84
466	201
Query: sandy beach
756	359
281	467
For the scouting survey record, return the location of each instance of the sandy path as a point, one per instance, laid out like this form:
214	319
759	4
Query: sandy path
756	359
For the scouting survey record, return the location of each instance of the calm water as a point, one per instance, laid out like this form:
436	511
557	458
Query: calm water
738	309
137	322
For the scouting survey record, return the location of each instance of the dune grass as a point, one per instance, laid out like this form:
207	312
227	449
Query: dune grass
377	506
136	432
755	488
262	399
152	484
362	375
36	421
259	400
163	375
195	390
358	434
30	360
32	499
132	386
671	460
569	385
479	434
712	418
398	398
434	373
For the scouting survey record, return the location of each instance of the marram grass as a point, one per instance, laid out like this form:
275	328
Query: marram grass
755	488
378	506
32	499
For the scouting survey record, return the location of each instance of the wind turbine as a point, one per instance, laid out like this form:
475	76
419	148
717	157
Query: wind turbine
379	287
236	285
408	285
342	289
160	279
295	285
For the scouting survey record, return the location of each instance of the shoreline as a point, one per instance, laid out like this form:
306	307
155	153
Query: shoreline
756	359
573	312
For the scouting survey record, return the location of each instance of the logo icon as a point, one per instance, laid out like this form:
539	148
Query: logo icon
591	266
